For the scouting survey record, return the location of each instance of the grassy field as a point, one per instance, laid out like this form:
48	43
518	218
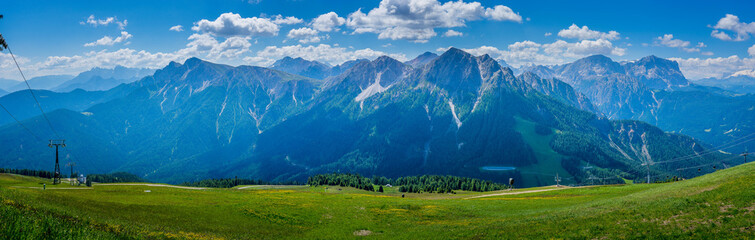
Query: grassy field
715	206
548	160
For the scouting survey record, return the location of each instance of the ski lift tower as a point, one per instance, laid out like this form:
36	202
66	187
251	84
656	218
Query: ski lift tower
72	177
57	144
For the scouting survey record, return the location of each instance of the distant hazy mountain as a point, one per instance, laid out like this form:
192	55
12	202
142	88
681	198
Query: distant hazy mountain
422	59
23	106
43	82
515	70
654	90
3	92
540	70
504	64
734	83
99	79
8	83
300	66
458	114
339	69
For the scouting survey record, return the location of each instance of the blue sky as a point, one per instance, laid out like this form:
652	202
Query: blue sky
707	38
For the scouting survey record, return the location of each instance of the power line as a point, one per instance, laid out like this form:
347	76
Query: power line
21	124
699	155
712	150
56	143
713	163
32	92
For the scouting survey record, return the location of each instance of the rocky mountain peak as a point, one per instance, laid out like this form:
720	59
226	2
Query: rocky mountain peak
656	73
422	59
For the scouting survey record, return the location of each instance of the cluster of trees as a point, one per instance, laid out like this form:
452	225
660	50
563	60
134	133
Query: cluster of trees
412	184
232	182
341	179
444	184
116	177
29	172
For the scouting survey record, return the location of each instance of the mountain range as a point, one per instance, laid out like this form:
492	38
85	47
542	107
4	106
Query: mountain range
737	83
455	114
42	82
7	83
312	69
95	79
100	79
655	91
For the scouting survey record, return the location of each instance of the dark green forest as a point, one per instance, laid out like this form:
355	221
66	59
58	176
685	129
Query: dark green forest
341	179
412	184
116	177
232	182
29	172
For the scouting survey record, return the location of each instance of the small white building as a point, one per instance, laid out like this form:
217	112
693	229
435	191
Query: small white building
82	179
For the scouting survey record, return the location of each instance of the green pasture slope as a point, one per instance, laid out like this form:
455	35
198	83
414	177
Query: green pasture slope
720	205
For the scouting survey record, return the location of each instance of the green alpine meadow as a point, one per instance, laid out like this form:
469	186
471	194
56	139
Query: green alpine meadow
715	206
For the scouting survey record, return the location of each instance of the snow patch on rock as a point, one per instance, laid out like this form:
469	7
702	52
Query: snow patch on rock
371	90
453	112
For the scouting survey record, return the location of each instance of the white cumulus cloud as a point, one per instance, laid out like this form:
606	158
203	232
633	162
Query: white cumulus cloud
233	25
302	32
720	67
749	73
305	35
327	22
108	41
526	53
668	40
91	20
176	28
751	51
720	35
732	23
452	33
279	19
324	53
231	47
415	20
582	48
203	45
584	32
103	59
502	13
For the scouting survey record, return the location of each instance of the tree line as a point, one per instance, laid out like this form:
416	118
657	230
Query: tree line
444	184
412	184
232	182
116	177
341	179
29	172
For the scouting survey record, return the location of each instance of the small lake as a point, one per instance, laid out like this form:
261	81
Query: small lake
497	168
